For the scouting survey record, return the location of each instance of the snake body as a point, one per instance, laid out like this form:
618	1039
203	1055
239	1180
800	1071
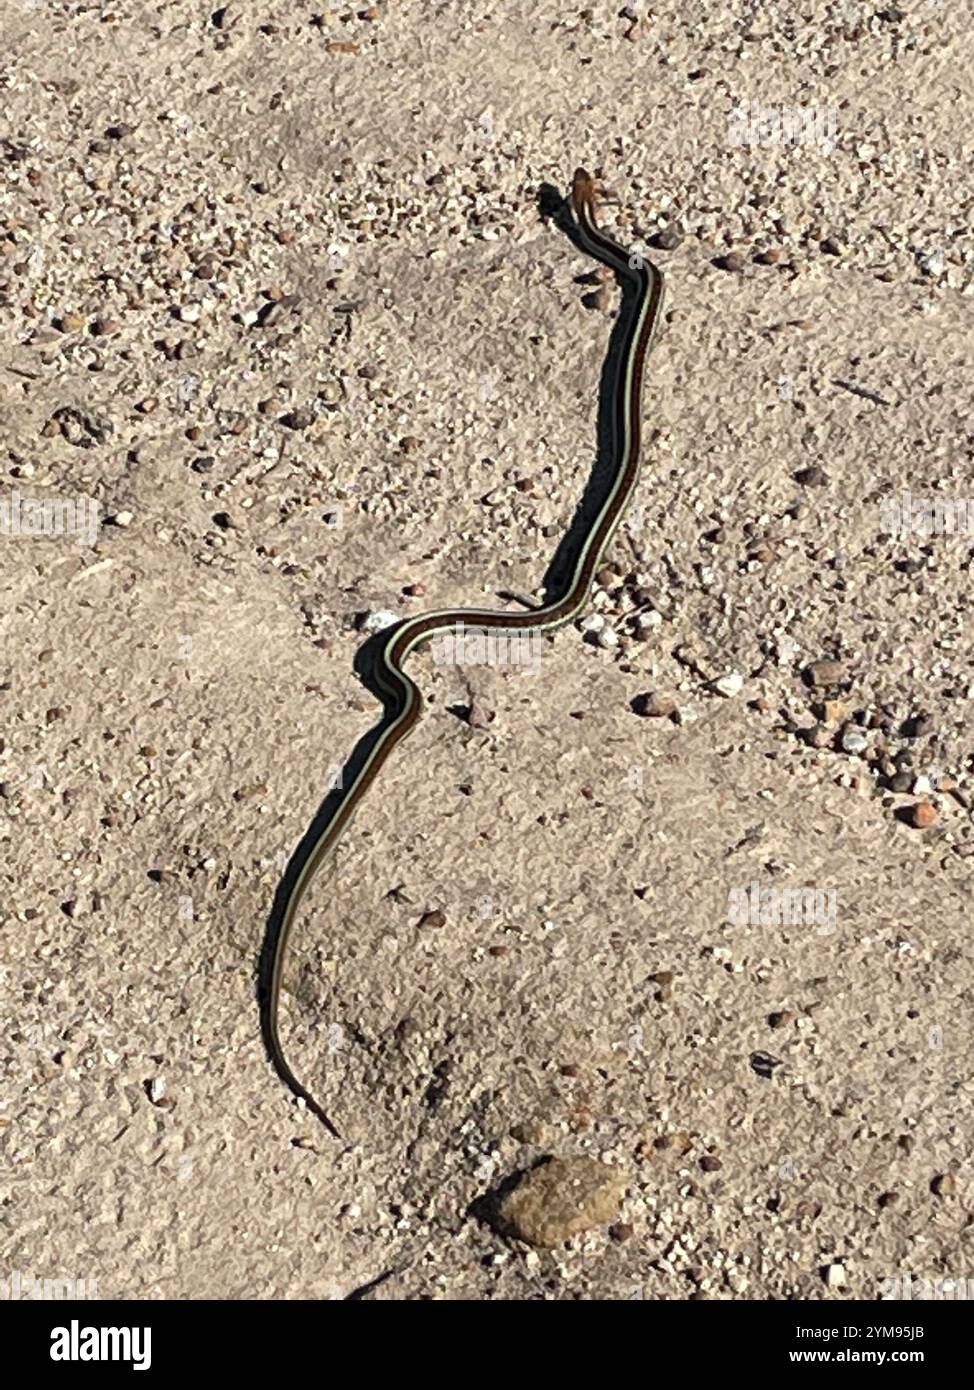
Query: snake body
402	693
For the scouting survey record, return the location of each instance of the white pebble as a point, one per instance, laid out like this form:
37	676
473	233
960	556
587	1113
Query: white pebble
729	685
787	648
854	740
646	621
932	262
378	619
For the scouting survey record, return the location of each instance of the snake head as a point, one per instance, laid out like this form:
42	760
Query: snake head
583	192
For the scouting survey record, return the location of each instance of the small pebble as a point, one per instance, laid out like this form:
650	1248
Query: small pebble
600	299
729	685
668	238
825	672
854	739
924	814
653	705
330	394
300	419
931	263
648	622
479	716
376	620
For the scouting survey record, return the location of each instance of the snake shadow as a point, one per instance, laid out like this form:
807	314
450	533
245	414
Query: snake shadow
553	208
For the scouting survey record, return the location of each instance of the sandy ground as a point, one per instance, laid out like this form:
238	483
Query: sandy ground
276	293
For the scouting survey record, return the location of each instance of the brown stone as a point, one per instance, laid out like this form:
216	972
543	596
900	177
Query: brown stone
923	815
825	672
653	705
561	1198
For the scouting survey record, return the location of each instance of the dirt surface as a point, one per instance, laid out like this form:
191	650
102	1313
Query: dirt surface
277	295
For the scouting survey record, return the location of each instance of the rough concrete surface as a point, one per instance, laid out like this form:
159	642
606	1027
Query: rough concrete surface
276	293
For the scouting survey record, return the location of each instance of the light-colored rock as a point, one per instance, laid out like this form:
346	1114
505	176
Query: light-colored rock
559	1199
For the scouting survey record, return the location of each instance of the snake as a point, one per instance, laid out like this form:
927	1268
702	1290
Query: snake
400	693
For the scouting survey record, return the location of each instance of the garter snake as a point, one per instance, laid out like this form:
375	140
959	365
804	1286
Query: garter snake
401	693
